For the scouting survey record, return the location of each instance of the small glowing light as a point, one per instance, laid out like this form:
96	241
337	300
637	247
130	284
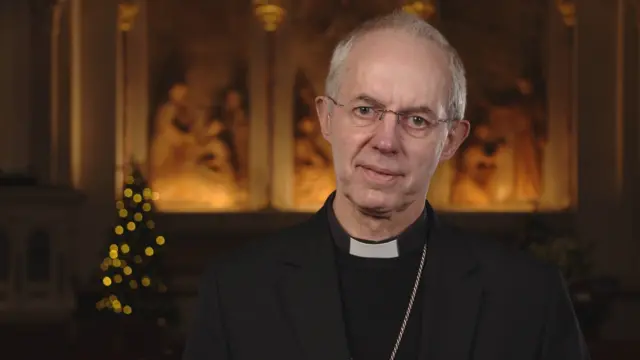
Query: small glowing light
127	270
137	259
146	207
147	193
137	217
128	193
113	247
104	266
133	284
119	205
119	230
123	213
106	281
160	240
137	198
127	309
117	278
117	262
145	281
130	180
112	298
113	254
125	248
151	224
148	251
131	226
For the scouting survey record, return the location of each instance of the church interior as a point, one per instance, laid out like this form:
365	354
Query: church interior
194	121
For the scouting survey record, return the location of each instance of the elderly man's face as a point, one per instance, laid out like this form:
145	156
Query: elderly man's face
382	167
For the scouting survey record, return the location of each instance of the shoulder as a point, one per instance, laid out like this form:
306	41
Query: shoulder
503	267
257	257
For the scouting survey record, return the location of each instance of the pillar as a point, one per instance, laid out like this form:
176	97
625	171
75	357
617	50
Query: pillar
93	104
631	131
600	115
556	171
133	88
259	152
60	95
283	150
15	87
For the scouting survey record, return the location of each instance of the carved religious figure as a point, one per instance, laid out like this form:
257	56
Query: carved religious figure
190	164
502	163
200	141
313	166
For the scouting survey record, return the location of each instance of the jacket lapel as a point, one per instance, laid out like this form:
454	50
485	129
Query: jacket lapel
311	301
453	296
310	292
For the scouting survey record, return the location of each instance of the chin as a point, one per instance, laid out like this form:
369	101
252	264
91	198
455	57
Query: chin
375	199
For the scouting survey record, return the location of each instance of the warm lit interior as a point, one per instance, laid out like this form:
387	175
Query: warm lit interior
207	148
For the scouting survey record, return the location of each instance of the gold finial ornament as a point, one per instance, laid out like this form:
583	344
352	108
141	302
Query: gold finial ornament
127	12
424	9
270	13
567	9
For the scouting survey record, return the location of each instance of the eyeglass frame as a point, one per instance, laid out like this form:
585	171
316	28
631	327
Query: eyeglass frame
382	111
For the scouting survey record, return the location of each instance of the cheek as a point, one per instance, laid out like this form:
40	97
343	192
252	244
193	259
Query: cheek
346	144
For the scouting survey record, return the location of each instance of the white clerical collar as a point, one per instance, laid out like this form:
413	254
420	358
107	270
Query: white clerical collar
384	250
409	241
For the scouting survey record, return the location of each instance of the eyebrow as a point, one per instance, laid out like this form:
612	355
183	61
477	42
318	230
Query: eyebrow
412	109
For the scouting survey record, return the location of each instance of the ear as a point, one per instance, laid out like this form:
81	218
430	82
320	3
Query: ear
324	116
457	134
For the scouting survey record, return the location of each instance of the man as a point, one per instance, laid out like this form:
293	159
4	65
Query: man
372	275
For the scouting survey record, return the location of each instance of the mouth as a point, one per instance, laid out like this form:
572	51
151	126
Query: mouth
379	175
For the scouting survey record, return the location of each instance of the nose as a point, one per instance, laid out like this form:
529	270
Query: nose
385	139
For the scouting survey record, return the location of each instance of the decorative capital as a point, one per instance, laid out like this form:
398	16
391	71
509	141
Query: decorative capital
567	9
424	9
270	14
127	12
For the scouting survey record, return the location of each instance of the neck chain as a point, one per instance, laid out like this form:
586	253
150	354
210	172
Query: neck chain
410	306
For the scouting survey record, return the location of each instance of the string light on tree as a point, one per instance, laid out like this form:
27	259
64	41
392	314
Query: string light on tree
133	276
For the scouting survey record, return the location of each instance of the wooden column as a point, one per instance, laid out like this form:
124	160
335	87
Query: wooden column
283	149
605	107
556	168
93	104
258	144
60	99
15	87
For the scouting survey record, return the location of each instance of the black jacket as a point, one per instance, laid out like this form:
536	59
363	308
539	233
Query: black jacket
279	299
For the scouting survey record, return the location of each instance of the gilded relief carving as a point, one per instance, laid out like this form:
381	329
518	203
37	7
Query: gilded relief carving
200	128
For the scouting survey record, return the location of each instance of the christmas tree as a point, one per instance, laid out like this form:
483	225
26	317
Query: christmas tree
133	276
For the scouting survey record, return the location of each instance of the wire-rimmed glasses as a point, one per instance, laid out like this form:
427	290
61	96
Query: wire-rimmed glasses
366	114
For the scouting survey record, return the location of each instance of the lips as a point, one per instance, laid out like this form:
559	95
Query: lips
381	171
378	175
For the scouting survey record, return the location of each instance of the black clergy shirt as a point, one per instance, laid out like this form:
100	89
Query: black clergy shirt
376	285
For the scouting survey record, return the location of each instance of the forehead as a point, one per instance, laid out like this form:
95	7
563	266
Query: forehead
398	69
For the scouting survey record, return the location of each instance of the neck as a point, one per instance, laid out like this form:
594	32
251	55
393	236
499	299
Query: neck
361	225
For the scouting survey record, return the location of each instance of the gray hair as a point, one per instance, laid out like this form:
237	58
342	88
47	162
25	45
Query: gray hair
411	25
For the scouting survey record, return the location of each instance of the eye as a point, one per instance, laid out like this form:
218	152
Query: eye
417	121
365	112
